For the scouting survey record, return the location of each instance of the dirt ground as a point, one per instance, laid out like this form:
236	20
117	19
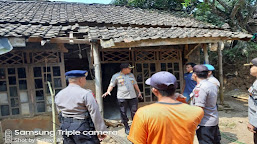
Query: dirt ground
232	121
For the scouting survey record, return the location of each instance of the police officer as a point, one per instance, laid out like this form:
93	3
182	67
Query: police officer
211	78
126	94
252	101
79	111
204	95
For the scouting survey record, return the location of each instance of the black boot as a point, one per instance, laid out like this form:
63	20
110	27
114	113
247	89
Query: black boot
126	128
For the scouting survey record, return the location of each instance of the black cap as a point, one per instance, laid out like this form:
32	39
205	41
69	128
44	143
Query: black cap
126	65
200	68
252	63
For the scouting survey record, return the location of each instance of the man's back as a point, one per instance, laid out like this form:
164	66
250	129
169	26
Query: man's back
71	101
164	123
213	80
205	96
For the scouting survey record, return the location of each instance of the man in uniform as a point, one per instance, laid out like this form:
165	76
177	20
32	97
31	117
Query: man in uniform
168	120
211	78
79	111
189	84
204	95
215	81
126	94
252	101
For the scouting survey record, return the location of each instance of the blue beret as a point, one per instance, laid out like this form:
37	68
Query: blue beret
210	67
76	73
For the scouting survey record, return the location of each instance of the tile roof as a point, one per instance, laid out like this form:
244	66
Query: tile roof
127	34
118	34
60	13
19	30
102	22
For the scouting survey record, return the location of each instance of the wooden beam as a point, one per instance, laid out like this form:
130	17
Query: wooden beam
34	39
17	41
206	56
62	48
187	56
168	41
60	40
71	37
67	40
186	47
220	73
181	75
98	76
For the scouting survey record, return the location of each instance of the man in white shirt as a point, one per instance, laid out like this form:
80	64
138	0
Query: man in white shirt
211	78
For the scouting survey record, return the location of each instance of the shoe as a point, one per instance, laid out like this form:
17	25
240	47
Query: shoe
127	129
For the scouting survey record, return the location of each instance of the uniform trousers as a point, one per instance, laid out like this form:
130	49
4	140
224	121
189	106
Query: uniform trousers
255	138
124	104
82	126
208	135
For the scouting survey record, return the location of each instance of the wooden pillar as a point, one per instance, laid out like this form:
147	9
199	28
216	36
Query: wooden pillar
206	56
220	44
98	76
181	79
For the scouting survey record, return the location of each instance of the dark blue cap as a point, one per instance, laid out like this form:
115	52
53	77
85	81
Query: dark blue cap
162	80
76	73
126	65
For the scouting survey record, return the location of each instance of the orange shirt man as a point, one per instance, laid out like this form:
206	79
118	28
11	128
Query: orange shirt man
168	120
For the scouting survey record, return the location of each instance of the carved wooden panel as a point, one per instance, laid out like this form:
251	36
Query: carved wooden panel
145	55
46	56
115	56
12	58
170	55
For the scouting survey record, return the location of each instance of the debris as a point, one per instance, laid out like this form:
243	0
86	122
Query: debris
110	123
240	97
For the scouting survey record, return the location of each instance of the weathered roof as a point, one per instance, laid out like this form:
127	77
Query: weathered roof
59	13
48	20
19	30
118	34
127	34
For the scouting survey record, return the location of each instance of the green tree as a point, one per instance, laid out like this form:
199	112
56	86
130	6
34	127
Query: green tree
152	4
235	13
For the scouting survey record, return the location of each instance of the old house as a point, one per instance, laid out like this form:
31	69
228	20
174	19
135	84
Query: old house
50	38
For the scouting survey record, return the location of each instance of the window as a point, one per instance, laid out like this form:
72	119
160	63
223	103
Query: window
13	91
42	75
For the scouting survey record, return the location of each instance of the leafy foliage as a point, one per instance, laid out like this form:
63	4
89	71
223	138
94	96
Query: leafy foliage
152	4
240	52
235	13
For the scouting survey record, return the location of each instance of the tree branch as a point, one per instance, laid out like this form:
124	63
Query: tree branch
226	7
236	8
222	15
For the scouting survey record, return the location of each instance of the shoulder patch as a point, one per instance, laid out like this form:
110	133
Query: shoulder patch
196	92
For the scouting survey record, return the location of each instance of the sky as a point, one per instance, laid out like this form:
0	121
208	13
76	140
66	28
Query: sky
87	1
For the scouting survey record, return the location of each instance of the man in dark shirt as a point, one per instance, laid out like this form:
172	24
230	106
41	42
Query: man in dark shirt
189	83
